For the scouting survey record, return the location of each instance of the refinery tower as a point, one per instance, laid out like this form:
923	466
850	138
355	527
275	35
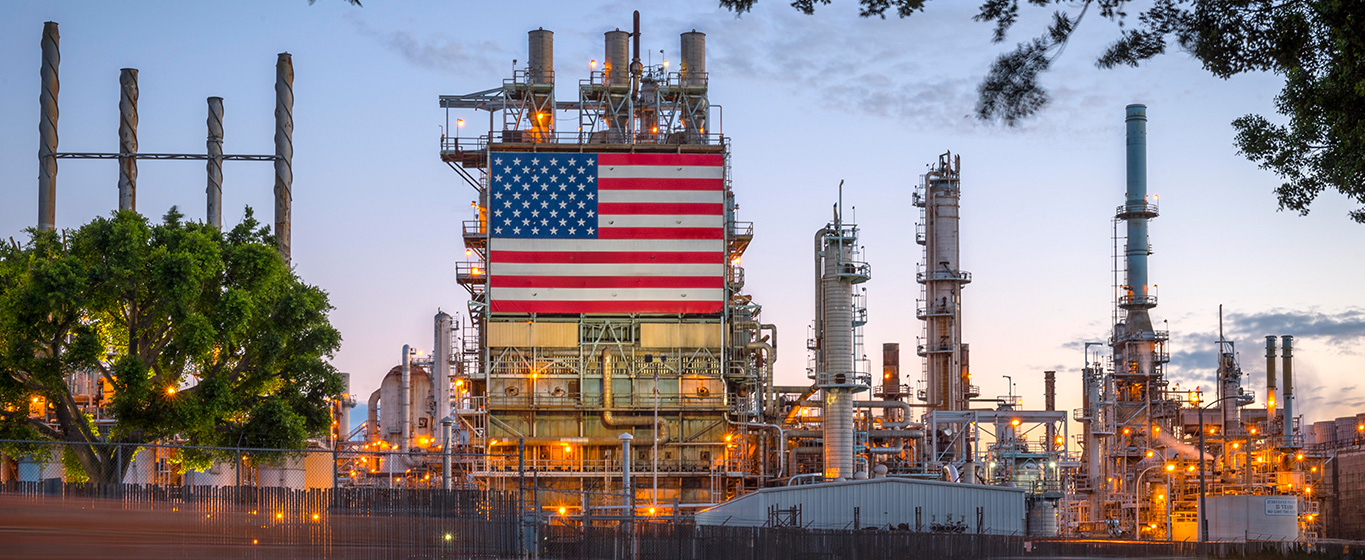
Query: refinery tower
606	319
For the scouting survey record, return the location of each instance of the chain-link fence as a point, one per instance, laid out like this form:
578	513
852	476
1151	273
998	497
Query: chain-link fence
166	501
195	502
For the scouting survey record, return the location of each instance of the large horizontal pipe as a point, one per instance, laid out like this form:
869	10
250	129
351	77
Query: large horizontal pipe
905	411
875	434
579	440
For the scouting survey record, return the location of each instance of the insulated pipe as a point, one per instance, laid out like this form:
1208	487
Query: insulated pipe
284	155
47	129
904	408
127	139
372	417
608	417
407	399
781	442
1287	347
1270	378
661	430
215	163
915	431
664	437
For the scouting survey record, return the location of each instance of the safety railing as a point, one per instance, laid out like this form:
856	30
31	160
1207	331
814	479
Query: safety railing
451	145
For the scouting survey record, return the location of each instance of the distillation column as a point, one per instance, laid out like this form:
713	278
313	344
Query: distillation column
837	271
945	369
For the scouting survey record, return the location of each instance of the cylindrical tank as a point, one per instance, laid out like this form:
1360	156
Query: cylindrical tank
1042	519
693	63
540	60
1346	429
391	414
1325	431
617	64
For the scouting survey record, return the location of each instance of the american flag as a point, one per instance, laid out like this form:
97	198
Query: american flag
606	233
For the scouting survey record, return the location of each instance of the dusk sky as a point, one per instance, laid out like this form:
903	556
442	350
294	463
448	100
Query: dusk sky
807	101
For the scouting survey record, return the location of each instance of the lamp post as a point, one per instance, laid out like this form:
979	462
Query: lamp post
1203	488
1167	499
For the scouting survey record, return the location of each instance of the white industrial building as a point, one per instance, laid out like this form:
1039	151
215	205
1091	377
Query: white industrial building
925	505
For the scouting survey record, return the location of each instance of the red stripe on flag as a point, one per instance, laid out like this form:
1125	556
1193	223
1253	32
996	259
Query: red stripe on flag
607	281
659	184
662	159
607	257
660	233
699	208
604	307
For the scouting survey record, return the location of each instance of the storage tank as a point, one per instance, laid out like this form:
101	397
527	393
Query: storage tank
1346	429
1324	432
391	409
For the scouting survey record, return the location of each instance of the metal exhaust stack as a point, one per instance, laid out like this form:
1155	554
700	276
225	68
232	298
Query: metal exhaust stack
407	399
127	139
441	363
891	372
1270	378
1287	346
47	130
540	74
215	163
284	153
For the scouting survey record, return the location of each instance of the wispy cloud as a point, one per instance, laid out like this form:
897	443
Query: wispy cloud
438	52
1196	361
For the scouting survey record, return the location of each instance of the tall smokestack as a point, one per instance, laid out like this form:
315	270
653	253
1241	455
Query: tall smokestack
1050	403
47	129
1270	378
284	153
215	163
1287	346
127	139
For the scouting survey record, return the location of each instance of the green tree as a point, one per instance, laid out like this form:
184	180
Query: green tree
1317	46
206	337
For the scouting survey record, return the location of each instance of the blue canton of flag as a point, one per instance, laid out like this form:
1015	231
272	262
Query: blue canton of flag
543	196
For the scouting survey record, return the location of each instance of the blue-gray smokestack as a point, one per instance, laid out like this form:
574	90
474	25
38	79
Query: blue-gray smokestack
1137	345
1136	203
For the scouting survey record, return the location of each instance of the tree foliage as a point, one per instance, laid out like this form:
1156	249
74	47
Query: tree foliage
203	336
1317	46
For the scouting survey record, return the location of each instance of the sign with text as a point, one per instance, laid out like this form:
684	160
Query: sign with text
1282	506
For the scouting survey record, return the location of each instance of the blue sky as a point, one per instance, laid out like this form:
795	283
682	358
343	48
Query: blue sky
808	101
